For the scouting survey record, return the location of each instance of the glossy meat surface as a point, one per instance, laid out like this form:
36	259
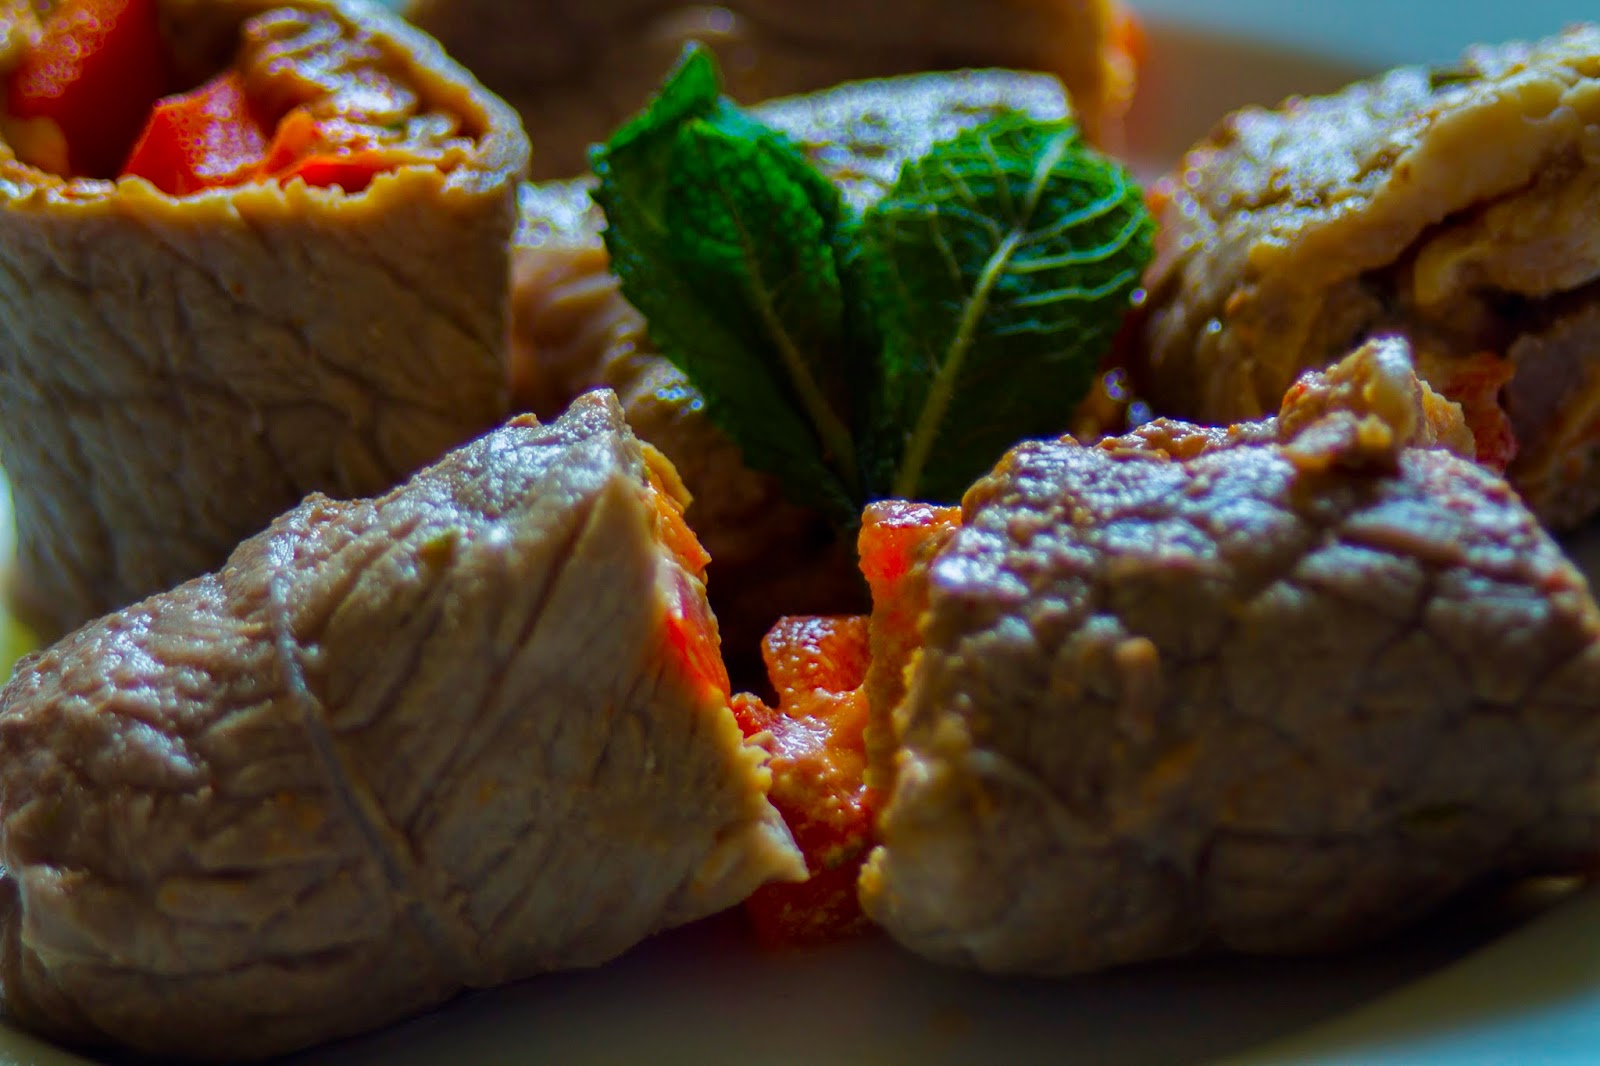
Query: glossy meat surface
176	372
1458	208
1276	688
394	749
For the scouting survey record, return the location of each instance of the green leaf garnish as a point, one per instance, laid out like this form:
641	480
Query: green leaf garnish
1001	265
721	233
896	352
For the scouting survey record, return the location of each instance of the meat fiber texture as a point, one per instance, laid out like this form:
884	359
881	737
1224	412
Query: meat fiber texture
175	372
1459	208
394	749
576	71
1275	688
572	330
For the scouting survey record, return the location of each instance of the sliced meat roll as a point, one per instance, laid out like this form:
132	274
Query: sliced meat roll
1275	688
469	731
572	330
177	369
575	71
1459	208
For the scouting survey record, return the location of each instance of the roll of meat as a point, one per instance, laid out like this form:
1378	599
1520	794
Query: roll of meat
176	371
1458	208
577	70
1278	688
463	733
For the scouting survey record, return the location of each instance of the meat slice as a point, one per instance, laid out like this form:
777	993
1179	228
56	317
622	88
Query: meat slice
450	737
1459	208
575	71
572	330
1274	688
175	371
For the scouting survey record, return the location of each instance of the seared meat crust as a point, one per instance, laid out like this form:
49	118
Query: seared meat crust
175	373
1275	688
1458	208
396	748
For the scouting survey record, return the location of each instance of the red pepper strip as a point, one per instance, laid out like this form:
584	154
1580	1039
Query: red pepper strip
352	173
691	631
204	139
296	137
1476	383
692	639
94	72
690	628
818	733
895	536
817	665
327	152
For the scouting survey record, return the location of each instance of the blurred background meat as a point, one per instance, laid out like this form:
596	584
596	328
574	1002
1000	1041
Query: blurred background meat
1458	207
575	70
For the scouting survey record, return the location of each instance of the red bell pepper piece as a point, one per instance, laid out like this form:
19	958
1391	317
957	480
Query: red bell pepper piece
352	173
817	665
94	72
326	152
1477	383
817	734
202	139
691	631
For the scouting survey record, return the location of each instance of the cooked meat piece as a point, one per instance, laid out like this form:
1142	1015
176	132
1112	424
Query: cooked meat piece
575	71
176	371
1554	395
466	732
1458	208
1274	688
572	330
1359	413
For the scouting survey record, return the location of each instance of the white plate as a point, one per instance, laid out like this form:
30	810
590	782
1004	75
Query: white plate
1479	983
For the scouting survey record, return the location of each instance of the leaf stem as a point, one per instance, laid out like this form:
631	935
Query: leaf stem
831	430
830	427
941	391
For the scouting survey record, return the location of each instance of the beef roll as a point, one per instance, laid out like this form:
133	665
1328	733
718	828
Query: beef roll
1457	207
469	731
248	251
575	71
1279	687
